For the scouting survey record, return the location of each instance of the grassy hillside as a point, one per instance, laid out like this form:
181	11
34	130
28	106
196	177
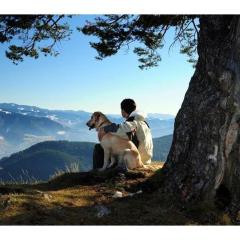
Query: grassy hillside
108	198
45	159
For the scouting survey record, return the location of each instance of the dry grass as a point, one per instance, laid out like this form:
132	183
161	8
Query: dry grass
79	198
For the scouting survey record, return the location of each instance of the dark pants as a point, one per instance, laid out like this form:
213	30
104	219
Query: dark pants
98	156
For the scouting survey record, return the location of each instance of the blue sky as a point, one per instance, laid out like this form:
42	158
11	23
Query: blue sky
75	80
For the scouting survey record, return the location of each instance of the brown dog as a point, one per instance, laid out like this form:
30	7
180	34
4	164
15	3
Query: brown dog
114	146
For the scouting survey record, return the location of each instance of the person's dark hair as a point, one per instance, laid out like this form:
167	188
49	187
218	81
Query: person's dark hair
128	105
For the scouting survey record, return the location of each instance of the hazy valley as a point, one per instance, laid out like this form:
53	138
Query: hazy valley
36	143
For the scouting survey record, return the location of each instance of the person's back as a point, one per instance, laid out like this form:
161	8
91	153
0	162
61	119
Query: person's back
136	124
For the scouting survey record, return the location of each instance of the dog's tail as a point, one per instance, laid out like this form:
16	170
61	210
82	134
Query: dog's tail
134	157
138	156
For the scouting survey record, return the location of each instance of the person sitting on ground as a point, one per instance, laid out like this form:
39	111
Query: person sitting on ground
137	130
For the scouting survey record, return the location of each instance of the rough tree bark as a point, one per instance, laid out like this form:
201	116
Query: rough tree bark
204	157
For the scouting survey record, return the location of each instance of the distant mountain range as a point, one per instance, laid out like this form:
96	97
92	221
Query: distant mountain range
22	126
44	159
14	126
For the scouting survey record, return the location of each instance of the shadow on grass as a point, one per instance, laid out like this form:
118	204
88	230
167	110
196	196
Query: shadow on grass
152	207
142	209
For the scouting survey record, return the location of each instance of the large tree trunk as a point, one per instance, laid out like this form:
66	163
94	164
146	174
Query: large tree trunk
204	160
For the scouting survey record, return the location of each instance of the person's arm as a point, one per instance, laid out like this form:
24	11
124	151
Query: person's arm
128	126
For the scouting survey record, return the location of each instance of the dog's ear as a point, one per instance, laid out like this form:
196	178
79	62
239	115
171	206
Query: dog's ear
97	115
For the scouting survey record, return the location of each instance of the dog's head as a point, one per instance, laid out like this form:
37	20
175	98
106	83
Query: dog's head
94	120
